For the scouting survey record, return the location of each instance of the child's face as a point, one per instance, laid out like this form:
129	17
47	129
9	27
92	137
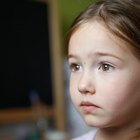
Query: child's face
105	77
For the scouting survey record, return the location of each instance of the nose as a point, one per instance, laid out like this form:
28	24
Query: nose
86	84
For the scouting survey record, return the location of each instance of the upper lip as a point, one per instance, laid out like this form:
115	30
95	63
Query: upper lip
87	103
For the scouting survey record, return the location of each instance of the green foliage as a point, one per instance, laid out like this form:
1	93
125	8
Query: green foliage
69	9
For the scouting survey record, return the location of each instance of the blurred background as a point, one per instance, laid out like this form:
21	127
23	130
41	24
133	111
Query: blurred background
35	102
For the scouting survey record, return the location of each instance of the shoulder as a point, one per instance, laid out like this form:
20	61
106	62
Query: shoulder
88	136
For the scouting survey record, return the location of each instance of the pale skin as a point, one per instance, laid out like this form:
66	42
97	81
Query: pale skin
104	82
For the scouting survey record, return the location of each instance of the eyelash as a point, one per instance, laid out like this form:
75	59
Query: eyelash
106	67
103	66
74	67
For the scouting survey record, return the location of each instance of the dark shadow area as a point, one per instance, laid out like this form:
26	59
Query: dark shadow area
25	60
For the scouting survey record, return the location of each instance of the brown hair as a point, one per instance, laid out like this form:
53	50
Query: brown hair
120	17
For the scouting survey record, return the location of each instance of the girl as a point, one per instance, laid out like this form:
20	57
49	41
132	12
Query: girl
104	58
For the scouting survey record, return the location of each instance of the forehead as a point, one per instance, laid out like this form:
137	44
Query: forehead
93	27
93	37
98	29
95	33
89	30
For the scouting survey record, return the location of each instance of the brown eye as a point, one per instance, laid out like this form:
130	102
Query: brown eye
74	67
105	67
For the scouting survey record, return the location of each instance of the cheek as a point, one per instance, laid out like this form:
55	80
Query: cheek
117	96
73	85
73	89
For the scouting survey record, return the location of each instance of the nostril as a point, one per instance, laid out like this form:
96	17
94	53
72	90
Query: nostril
86	83
82	88
85	88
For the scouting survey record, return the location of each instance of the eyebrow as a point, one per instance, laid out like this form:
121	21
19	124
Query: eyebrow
96	55
107	54
72	56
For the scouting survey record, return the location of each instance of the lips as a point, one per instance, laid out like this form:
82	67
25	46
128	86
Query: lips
86	103
88	107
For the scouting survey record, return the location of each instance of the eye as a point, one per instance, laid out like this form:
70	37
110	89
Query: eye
106	67
74	67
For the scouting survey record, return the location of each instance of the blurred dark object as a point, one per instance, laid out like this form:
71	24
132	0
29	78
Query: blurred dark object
25	52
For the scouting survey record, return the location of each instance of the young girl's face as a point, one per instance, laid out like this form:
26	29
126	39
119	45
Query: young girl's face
105	79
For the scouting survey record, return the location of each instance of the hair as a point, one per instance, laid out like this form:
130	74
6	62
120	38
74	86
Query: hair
120	17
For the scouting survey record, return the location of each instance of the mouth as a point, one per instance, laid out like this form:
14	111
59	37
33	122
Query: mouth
88	107
86	103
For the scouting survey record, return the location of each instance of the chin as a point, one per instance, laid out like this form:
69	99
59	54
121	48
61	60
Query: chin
95	122
91	121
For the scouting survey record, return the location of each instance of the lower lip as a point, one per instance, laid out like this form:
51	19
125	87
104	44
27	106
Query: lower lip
88	109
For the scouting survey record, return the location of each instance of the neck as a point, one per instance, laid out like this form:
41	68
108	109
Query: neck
129	132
